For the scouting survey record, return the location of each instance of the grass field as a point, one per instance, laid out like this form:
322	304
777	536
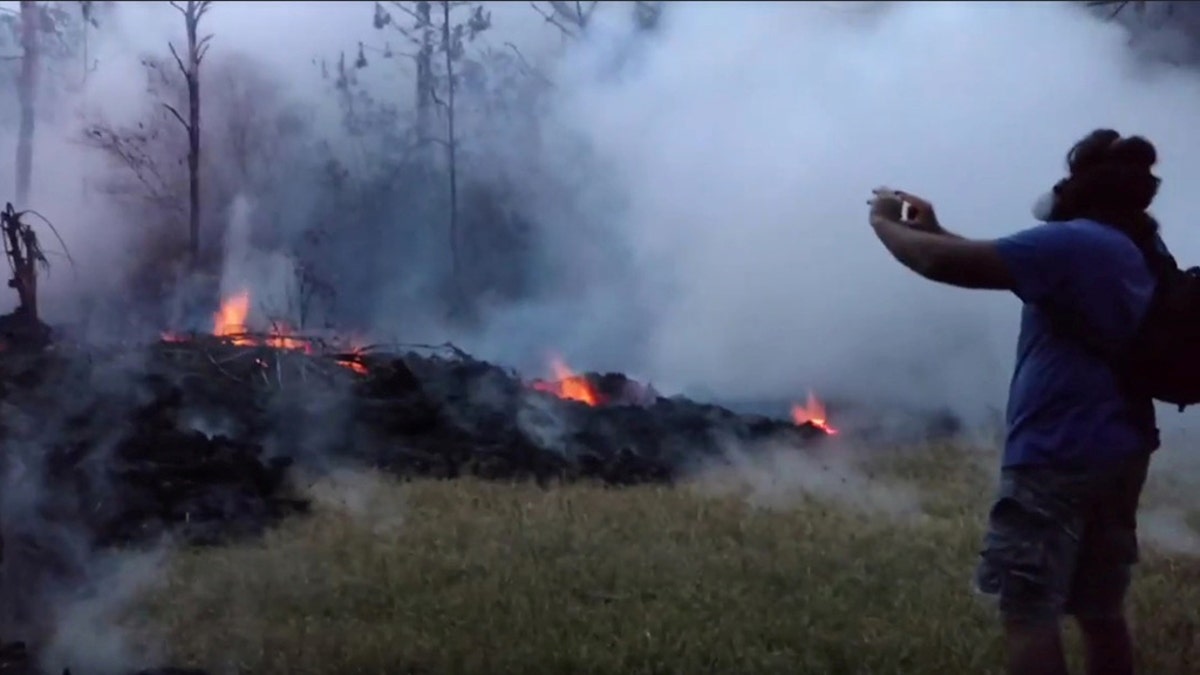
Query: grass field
828	565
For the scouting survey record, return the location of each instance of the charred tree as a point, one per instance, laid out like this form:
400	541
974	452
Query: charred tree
197	47
24	255
26	93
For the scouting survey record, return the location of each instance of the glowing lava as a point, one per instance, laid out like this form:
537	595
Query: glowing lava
567	384
813	413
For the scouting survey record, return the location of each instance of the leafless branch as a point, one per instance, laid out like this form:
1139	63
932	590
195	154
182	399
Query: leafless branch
177	116
527	67
431	139
407	10
54	230
177	7
405	31
202	47
138	163
565	11
178	61
553	20
1119	6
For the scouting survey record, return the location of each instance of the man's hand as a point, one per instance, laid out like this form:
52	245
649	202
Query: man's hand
921	215
920	243
886	205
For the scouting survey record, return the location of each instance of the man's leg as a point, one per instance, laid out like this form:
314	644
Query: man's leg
1034	647
1107	554
1108	645
1098	602
1027	562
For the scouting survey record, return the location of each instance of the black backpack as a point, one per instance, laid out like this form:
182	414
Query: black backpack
1162	362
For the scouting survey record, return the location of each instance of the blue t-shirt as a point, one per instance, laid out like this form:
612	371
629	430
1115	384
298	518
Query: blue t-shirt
1064	404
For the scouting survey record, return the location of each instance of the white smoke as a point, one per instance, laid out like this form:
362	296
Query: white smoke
739	145
268	277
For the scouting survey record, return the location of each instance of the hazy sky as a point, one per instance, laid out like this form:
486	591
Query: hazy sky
739	148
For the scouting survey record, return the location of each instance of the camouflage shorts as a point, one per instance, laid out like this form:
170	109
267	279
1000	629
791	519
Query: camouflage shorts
1062	542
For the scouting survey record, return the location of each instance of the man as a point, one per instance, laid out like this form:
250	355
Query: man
1062	532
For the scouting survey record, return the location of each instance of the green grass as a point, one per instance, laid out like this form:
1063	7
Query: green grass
728	575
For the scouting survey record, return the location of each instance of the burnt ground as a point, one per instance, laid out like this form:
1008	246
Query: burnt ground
203	434
198	440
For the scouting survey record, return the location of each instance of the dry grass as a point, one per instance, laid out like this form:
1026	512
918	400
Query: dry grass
469	577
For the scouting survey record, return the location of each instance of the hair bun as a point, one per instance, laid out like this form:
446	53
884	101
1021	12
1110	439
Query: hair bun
1091	150
1134	152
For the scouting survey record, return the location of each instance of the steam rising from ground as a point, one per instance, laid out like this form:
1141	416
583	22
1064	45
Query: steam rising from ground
783	478
744	142
88	631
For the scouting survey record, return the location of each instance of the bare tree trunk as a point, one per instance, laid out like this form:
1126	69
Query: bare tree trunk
192	12
85	10
424	75
26	91
451	150
193	87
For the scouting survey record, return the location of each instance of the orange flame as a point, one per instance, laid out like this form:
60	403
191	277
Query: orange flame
568	385
283	337
230	320
812	412
351	361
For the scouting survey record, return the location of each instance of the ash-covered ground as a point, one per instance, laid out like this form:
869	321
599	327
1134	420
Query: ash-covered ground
201	432
199	439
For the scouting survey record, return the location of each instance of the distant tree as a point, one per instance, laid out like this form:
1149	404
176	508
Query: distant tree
46	34
31	21
437	32
88	15
1166	30
197	47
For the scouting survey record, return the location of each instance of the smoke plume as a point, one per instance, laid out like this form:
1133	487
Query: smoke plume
742	141
695	191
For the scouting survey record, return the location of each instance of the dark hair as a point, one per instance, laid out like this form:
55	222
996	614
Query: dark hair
1110	181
